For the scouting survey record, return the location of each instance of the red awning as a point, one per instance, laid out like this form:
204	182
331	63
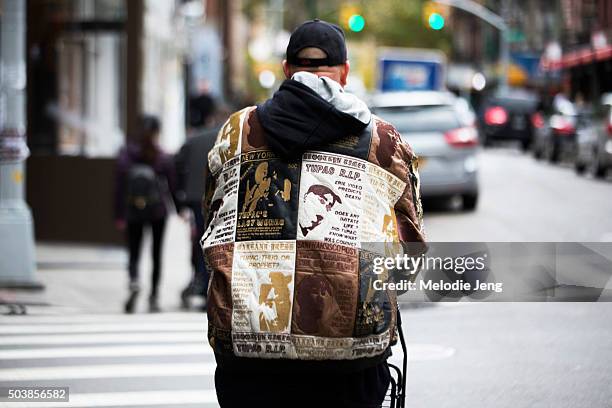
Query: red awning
604	53
586	55
578	57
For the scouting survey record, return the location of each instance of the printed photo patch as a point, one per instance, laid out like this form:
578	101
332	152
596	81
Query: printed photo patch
267	197
263	276
326	287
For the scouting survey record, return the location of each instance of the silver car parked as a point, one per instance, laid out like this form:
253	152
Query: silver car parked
441	128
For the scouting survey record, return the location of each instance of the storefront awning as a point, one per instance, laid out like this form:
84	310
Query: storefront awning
581	56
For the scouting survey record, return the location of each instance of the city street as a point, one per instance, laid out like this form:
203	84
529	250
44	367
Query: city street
524	200
479	354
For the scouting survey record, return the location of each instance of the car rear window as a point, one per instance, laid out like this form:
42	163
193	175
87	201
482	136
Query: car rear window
515	103
421	118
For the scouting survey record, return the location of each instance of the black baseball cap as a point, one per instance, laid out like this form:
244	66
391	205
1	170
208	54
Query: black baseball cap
318	34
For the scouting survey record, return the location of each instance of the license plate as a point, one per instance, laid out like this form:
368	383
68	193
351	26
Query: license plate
518	123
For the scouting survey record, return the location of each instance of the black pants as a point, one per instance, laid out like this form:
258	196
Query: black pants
135	231
363	389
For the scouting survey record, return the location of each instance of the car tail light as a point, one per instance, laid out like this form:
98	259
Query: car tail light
562	125
537	120
496	115
610	129
462	137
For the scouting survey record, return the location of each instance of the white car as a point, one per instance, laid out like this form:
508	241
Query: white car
441	128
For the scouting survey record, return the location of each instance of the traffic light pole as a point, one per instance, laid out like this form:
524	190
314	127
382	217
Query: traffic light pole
496	21
16	231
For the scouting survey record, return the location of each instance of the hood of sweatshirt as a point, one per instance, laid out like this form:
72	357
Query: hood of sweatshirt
308	112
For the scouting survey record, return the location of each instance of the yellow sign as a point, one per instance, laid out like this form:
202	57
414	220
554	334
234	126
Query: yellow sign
516	75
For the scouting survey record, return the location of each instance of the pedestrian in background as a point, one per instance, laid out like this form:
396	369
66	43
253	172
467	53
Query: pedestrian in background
191	163
201	106
145	185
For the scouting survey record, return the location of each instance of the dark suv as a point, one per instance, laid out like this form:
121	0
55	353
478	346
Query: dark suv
507	115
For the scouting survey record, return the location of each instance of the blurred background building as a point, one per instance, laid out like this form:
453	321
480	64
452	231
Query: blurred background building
554	44
93	67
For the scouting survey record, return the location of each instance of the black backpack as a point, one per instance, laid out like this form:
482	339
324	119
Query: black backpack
144	193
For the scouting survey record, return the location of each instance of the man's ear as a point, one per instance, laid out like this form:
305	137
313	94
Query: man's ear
344	71
286	69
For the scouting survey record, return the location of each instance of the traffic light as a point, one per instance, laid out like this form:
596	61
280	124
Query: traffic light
434	15
356	22
351	18
436	21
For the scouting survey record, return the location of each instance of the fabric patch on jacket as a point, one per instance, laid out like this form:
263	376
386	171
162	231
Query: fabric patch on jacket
267	197
326	285
263	275
346	200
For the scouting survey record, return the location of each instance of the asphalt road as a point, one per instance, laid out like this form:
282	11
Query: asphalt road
512	355
479	355
524	200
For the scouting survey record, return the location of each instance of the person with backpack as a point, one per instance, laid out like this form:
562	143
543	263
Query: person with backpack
145	185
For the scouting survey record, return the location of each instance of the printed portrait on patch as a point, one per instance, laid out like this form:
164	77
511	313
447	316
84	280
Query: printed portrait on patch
316	206
332	191
326	286
275	303
262	286
267	197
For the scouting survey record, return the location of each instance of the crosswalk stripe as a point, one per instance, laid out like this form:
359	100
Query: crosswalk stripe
107	371
100	318
107	351
105	327
103	338
125	399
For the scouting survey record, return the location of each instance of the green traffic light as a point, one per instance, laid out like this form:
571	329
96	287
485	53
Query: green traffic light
436	21
356	22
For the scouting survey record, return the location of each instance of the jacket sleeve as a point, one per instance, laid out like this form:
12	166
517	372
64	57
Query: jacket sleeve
408	209
409	214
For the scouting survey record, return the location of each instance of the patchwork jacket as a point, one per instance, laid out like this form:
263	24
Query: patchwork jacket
286	244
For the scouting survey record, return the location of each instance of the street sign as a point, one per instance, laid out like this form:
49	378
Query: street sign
411	70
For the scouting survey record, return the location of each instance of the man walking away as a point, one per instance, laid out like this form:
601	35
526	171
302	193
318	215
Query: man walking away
299	185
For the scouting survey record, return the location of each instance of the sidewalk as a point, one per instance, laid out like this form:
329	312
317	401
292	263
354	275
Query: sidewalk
82	278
